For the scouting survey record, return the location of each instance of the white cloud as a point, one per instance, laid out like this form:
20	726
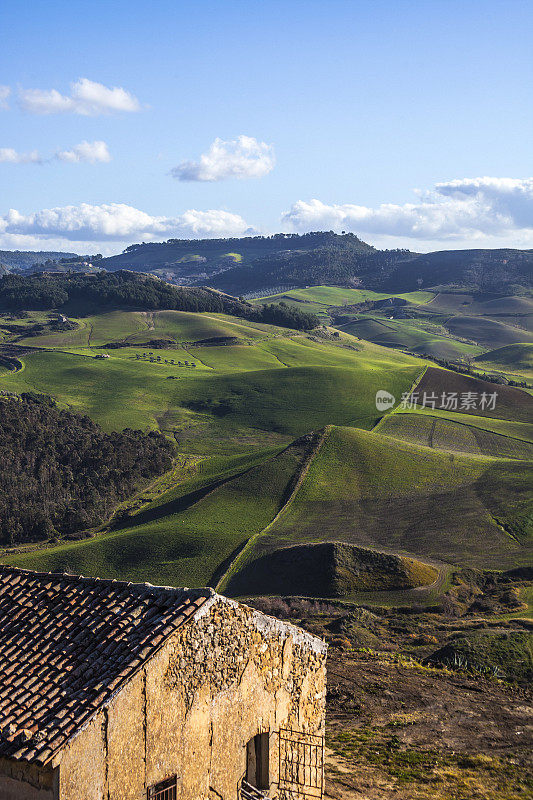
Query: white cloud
5	91
458	210
10	156
243	157
92	152
119	222
86	97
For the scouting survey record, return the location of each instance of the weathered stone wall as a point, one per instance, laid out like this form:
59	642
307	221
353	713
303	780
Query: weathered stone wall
221	679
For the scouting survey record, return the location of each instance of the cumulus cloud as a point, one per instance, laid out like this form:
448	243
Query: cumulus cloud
10	156
243	157
86	97
118	222
464	209
91	152
5	91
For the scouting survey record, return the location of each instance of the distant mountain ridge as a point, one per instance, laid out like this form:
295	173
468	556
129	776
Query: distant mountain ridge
256	265
25	259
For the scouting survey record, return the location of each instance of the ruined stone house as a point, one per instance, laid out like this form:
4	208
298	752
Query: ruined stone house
118	691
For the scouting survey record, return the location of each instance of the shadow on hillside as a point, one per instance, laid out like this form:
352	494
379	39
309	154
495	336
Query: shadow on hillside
172	507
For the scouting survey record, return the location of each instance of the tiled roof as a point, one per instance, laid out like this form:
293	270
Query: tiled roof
67	644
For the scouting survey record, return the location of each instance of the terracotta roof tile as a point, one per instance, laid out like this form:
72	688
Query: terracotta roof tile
67	643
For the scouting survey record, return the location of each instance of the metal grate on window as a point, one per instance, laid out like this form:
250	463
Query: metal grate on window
165	790
301	765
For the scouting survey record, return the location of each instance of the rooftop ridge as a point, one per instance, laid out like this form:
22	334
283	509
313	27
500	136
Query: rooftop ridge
205	591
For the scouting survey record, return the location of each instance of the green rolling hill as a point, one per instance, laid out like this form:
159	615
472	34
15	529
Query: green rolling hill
488	332
378	506
370	490
511	358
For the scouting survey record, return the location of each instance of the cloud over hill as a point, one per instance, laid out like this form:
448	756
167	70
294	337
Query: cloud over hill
454	210
118	222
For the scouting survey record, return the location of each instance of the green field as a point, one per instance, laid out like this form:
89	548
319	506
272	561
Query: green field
338	296
441	487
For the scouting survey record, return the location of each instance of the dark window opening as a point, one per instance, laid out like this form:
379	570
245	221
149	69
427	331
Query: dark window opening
165	790
257	761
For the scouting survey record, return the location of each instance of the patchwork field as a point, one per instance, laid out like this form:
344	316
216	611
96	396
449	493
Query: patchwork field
399	504
473	396
448	434
450	326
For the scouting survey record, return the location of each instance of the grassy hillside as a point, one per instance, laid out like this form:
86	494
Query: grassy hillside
512	358
373	491
184	537
338	295
449	326
488	332
276	381
402	334
449	435
431	486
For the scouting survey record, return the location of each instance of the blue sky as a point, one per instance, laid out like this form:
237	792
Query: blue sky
346	108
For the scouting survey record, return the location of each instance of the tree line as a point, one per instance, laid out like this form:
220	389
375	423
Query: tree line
125	289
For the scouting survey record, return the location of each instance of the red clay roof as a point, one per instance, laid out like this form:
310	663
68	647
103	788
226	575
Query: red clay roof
67	644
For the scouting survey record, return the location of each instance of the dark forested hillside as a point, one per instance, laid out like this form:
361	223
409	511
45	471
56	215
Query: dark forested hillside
60	473
334	265
83	293
184	256
387	270
478	270
263	265
253	264
24	259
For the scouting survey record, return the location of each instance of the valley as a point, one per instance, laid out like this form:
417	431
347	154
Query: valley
403	536
279	444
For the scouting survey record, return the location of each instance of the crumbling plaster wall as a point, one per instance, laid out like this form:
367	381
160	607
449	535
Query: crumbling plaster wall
221	679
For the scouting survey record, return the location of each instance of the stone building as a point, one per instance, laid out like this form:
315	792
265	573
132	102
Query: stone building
118	691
